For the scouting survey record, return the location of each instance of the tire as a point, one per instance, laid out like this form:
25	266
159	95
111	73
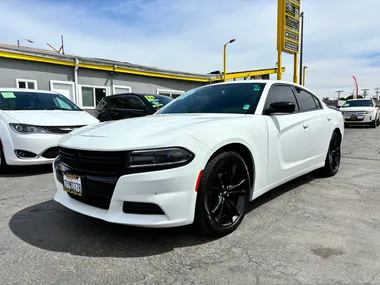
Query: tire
333	157
373	124
378	122
223	195
346	125
3	163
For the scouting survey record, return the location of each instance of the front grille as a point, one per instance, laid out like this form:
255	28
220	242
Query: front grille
142	208
107	162
50	152
60	129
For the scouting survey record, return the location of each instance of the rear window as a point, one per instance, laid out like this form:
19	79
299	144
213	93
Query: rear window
157	101
24	100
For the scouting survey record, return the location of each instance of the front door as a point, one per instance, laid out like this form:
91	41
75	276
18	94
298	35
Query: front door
289	136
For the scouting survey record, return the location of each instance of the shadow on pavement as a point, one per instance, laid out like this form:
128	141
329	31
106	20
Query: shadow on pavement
52	227
18	171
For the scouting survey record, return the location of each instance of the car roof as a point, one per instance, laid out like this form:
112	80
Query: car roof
135	94
26	90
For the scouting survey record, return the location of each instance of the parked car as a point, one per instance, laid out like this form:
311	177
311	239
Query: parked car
200	159
129	105
361	111
32	122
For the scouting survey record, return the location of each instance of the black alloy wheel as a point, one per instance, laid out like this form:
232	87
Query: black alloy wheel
332	162
223	194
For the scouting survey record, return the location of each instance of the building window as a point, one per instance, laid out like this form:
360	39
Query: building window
26	84
92	95
170	93
117	89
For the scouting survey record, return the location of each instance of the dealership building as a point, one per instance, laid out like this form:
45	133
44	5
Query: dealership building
86	80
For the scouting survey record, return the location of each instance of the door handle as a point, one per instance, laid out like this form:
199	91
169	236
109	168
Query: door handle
329	119
305	126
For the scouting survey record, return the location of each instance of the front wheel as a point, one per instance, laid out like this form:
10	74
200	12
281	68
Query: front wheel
374	123
223	195
332	162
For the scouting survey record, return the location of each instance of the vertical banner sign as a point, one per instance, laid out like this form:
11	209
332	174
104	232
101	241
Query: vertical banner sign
289	26
356	88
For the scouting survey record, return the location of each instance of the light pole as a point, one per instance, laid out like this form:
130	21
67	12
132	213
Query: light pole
304	75
18	41
225	56
301	48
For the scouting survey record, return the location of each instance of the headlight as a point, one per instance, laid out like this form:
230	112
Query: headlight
26	129
164	157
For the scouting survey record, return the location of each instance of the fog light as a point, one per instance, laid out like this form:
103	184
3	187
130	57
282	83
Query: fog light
24	154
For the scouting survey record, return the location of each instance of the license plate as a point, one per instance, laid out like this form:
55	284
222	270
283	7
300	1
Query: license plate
354	118
72	184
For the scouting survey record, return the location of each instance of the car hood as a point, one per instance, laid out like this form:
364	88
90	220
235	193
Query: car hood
52	118
356	109
147	131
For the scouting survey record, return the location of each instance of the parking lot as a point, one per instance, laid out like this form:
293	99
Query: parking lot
310	231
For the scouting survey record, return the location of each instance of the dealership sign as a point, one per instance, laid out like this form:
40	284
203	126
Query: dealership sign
289	26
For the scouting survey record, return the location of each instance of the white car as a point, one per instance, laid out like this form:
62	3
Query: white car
200	159
361	111
31	124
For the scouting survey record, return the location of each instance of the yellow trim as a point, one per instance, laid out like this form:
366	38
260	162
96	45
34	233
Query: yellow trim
233	75
100	67
35	58
137	72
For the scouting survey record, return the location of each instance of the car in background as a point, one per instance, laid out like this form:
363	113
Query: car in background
361	112
129	105
31	124
200	159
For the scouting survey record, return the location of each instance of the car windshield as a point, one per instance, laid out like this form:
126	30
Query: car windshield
358	103
158	101
32	101
235	98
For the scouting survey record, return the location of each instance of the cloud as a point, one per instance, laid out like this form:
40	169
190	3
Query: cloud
189	35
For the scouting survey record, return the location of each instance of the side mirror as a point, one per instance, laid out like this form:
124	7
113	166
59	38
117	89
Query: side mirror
377	106
281	107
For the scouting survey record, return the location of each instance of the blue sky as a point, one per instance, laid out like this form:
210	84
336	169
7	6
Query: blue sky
341	36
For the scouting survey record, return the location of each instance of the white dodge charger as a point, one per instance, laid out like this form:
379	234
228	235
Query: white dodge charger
200	159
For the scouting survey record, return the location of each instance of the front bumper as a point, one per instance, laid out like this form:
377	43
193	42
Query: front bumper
43	145
164	198
359	119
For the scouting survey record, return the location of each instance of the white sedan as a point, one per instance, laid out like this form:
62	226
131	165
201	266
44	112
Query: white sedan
31	124
360	112
200	159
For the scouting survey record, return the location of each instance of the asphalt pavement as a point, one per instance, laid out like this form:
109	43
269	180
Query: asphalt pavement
309	231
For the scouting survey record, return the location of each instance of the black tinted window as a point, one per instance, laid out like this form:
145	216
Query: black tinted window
128	102
307	100
235	98
281	93
24	100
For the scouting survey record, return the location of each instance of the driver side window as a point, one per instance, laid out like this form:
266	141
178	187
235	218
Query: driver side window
281	93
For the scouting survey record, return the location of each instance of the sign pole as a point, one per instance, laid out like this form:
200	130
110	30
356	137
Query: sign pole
295	75
279	38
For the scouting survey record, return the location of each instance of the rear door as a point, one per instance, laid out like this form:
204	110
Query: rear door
320	125
289	136
129	106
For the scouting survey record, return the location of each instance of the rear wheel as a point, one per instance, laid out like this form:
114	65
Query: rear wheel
332	162
223	195
3	163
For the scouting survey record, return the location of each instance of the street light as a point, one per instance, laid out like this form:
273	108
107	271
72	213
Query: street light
304	75
225	52
18	41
